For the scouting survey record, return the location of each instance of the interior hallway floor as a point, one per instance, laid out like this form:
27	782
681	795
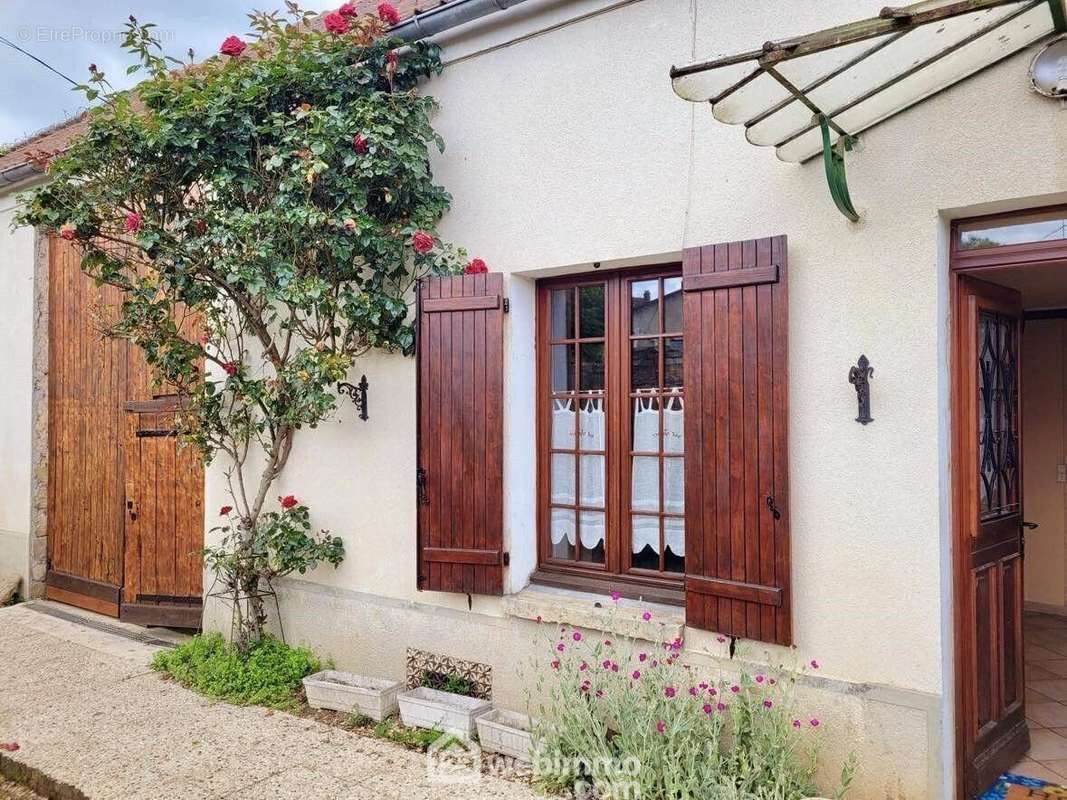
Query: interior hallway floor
1046	698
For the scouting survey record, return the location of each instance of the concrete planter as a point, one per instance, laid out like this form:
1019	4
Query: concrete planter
507	733
356	694
443	711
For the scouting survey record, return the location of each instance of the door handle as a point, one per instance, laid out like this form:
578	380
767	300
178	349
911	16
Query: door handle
774	509
1030	526
131	506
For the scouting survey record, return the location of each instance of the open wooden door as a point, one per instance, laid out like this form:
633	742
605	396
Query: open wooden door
988	546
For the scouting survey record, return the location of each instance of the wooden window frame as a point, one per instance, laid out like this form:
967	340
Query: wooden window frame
1008	255
615	573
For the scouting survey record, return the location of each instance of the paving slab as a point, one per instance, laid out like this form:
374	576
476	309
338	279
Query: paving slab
87	711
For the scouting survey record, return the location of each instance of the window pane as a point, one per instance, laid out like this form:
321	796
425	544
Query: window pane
672	305
592	483
644	306
592	367
1044	226
674	544
563	368
561	533
562	313
674	485
591	311
645	425
672	363
645	487
645	542
644	364
592	534
674	425
563	424
563	478
591	425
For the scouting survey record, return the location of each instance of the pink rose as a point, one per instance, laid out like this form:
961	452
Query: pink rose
133	222
335	23
67	230
232	46
388	14
348	10
422	242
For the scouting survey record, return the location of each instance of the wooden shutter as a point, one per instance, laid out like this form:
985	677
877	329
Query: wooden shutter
460	351
736	467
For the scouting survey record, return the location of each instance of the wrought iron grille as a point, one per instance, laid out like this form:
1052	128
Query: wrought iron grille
998	415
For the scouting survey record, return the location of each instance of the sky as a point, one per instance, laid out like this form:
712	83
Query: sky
71	35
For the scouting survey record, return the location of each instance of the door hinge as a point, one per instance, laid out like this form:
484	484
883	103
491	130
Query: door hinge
506	558
507	305
421	498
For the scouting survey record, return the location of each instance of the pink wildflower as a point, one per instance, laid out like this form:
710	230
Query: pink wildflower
555	665
768	704
615	596
708	708
576	636
815	723
814	664
660	727
668	691
735	688
642	656
636	675
646	616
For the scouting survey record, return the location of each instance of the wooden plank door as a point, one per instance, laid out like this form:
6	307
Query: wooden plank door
91	381
164	520
87	380
989	543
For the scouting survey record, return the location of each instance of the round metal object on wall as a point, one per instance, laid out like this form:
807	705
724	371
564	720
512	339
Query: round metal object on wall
1048	70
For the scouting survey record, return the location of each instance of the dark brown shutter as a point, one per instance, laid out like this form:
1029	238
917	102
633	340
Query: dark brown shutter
736	467
460	351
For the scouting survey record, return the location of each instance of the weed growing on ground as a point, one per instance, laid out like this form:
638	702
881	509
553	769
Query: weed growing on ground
268	675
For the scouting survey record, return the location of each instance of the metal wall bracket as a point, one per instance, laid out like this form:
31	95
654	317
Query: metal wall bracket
860	377
833	156
358	393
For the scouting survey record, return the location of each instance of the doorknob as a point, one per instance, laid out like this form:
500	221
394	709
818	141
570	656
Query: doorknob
1030	525
132	507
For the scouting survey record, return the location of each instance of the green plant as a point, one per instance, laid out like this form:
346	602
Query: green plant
629	719
267	674
448	682
264	215
413	738
356	720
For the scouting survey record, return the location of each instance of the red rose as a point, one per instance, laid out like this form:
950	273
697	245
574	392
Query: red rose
359	144
422	242
230	367
133	222
232	46
67	230
225	510
390	58
388	14
348	10
287	502
335	23
475	267
200	227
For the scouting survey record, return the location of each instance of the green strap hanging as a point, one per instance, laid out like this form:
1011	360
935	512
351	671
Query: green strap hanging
833	157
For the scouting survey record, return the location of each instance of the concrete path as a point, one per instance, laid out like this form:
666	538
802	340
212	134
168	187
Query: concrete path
87	713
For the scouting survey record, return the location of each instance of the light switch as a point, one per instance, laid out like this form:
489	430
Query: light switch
1061	473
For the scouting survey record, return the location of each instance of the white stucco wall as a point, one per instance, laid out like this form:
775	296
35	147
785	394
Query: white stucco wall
16	389
568	148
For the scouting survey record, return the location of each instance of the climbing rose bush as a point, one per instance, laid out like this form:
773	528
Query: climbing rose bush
265	214
627	718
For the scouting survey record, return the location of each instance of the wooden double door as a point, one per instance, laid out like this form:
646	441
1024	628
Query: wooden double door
125	501
988	549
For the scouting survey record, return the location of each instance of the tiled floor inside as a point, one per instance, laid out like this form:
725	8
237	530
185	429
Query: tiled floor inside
1046	698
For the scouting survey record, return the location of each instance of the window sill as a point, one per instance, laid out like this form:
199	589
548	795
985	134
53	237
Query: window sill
597	612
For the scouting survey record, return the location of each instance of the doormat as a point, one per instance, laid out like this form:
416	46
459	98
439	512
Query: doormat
1019	787
97	625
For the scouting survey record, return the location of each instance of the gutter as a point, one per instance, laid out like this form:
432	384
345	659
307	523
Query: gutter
18	175
443	18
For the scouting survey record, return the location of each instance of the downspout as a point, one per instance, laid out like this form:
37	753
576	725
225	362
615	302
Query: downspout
436	20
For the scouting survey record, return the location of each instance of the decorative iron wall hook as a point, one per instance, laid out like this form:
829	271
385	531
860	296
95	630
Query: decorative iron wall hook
860	377
358	393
